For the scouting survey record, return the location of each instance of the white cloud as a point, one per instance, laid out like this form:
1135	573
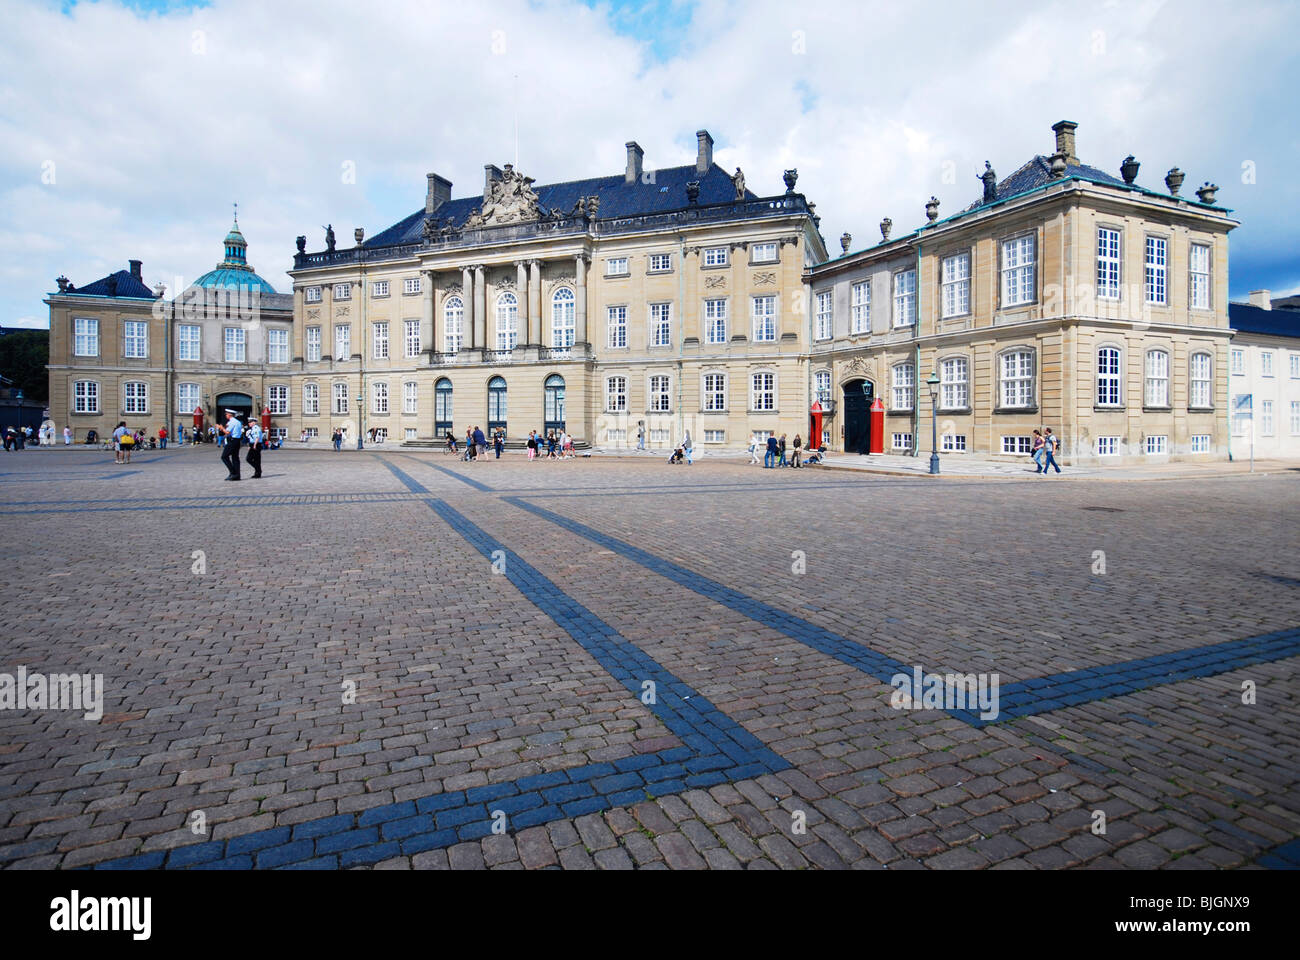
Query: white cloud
155	123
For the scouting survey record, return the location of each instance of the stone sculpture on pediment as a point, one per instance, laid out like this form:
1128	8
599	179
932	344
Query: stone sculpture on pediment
511	199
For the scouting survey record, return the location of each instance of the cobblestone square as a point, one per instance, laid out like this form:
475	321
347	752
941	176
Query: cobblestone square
396	659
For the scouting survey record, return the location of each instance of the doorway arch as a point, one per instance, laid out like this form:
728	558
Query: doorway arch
858	395
554	405
496	403
442	397
241	403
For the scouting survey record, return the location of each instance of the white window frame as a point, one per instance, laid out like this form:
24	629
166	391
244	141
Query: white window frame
715	392
659	388
904	282
861	310
1017	444
1108	446
379	288
763	315
277	399
311	294
716	256
1265	418
135	339
564	306
1110	376
188	396
410	397
313	343
1200	443
954	383
1199	296
1238	362
1156	270
1156	446
85	396
507	321
379	396
277	346
1295	418
342	291
825	315
85	337
189	341
616	267
1200	382
311	399
762	391
1155	387
660	324
1019	268
660	262
453	325
412	285
902	382
1110	263
341	400
715	321
759	253
901	441
822	387
616	327
343	338
616	394
952	443
1016	388
379	340
411	338
135	397
234	337
955	285
1266	363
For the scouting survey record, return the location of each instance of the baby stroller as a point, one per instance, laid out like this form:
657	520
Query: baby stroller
679	456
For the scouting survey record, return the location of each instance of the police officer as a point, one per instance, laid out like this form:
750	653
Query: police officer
233	431
253	435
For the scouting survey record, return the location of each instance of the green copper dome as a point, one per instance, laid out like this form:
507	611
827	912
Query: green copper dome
234	273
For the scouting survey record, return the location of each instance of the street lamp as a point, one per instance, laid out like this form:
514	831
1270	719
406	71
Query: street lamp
932	381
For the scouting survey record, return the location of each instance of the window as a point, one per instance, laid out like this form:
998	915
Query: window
85	397
954	384
442	405
658	436
905	298
1200	443
824	301
1266	418
342	291
904	386
381	434
277	346
234	340
340	398
902	441
1157	445
135	397
1017	444
715	436
553	401
1108	446
1018	261
1156	270
1157	382
1239	362
1266	363
1108	378
1017	369
410	397
453	315
411	285
1295	418
86	337
660	262
1108	264
313	344
617	326
612	434
409	433
1295	366
956	285
952	443
1198	268
659	402
277	399
822	386
616	394
312	294
764	319
379	289
715	321
562	318
497	401
661	325
1199	382
763	391
507	321
343	341
379	396
379	341
311	399
715	391
763	252
135	337
187	398
189	339
715	257
616	267
861	315
411	331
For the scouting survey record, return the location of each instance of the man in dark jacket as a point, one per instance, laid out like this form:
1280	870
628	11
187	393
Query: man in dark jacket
769	458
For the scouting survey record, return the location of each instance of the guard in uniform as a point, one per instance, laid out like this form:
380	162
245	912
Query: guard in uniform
233	431
253	436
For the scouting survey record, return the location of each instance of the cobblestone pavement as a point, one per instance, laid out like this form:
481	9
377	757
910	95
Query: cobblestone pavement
620	663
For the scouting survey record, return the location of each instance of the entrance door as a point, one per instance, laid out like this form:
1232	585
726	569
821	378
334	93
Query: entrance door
496	404
554	407
858	395
442	408
241	403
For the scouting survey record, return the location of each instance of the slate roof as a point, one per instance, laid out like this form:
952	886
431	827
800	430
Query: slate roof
1246	318
127	285
1037	172
618	198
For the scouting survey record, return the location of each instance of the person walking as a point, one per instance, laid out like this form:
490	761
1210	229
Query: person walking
162	438
67	436
640	436
232	434
797	444
499	442
753	448
781	448
1036	451
532	445
687	448
121	436
773	449
254	438
480	442
1051	444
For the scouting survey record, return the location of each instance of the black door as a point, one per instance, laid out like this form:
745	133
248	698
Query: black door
857	416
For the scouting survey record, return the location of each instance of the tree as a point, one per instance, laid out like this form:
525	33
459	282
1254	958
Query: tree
23	356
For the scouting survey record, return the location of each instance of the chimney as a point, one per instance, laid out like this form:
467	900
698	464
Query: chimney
1262	299
704	153
491	172
439	192
135	268
1064	131
634	157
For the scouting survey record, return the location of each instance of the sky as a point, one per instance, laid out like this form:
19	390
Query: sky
127	130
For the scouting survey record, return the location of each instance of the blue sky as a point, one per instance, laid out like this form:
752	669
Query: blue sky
126	130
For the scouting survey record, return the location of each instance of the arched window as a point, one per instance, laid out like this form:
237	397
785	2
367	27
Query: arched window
442	407
1108	377
562	318
1200	392
554	405
496	402
1157	392
507	321
453	325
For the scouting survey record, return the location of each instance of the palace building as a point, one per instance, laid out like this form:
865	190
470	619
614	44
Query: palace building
1063	297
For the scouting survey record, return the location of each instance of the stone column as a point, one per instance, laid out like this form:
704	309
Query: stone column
481	325
467	308
428	338
522	292
535	325
580	308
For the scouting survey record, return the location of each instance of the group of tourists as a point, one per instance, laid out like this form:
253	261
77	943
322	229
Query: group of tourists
777	454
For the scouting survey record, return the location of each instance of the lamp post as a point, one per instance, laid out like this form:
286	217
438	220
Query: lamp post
932	381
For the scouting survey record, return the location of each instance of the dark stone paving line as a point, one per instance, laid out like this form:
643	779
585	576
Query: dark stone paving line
1019	699
1284	857
481	487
